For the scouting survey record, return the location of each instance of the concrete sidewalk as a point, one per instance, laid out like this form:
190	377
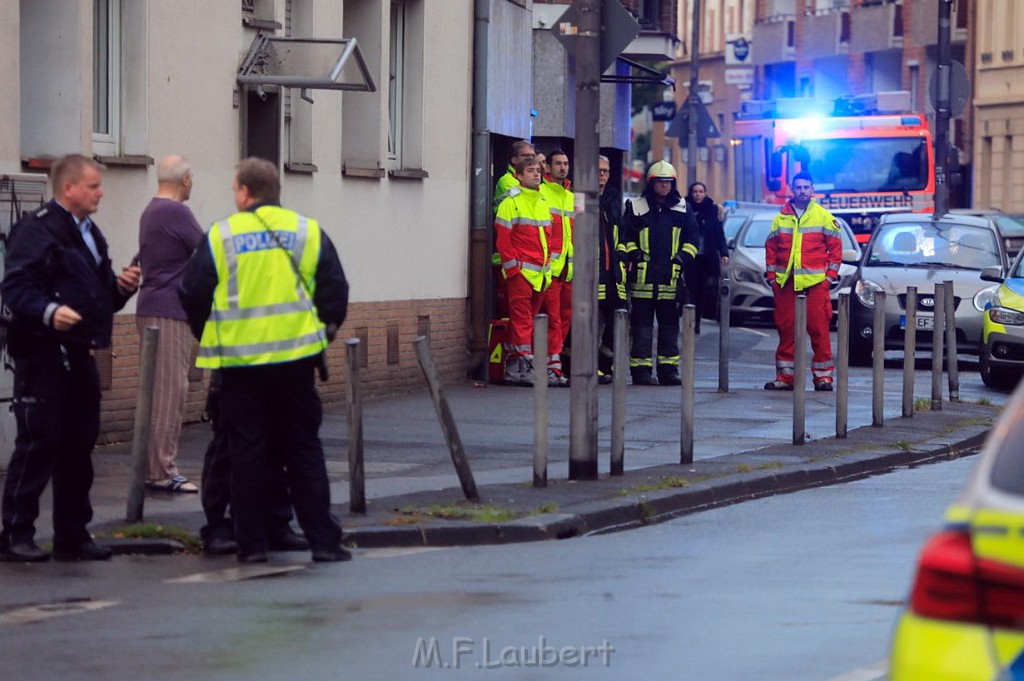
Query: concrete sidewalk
743	450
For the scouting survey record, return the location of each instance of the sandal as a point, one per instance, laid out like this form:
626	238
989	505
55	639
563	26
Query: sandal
178	484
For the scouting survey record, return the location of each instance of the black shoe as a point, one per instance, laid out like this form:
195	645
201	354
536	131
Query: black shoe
777	385
255	557
220	546
88	550
605	379
26	552
288	541
823	386
644	379
337	554
669	379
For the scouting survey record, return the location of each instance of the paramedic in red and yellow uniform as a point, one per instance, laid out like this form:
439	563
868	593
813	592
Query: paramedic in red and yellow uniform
803	252
523	231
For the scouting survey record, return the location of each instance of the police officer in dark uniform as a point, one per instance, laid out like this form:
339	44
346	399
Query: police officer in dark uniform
218	534
62	294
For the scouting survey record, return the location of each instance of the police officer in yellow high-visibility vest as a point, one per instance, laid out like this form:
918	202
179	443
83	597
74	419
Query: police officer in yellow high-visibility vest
264	295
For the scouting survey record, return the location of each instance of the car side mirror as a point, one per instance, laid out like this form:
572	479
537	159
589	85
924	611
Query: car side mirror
993	274
731	243
851	256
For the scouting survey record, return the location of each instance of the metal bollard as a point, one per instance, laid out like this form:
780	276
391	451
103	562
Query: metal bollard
687	348
878	362
800	371
938	333
143	425
951	364
843	367
354	392
909	352
724	324
444	417
540	402
619	371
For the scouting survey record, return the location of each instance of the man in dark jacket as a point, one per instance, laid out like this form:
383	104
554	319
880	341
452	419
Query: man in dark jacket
659	240
611	285
62	294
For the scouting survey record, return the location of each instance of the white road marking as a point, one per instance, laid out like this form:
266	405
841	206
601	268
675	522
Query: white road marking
873	672
236	574
47	611
396	552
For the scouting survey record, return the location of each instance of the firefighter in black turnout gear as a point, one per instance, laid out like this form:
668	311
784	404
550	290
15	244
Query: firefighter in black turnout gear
659	241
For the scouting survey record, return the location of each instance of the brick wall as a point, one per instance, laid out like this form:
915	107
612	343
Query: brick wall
858	73
387	369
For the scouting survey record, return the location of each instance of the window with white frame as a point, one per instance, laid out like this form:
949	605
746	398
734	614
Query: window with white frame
106	71
396	82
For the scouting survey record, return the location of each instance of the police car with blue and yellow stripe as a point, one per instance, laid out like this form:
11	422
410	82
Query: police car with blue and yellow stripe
1001	360
965	617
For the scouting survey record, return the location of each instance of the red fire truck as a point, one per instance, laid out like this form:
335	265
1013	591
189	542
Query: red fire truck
864	162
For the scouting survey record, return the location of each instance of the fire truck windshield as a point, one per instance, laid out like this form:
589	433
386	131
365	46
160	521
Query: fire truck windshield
865	164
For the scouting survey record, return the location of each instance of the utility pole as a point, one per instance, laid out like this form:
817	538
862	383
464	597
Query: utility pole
942	110
583	383
692	101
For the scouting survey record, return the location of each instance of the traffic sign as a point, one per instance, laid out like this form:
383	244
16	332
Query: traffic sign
706	128
959	89
618	30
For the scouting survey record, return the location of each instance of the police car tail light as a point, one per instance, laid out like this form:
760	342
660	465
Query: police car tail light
953	584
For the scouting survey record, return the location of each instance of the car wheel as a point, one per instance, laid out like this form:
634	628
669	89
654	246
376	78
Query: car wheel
860	351
1000	380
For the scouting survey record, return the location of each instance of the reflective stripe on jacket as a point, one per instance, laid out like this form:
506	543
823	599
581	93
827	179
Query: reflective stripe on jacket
560	199
610	269
262	313
810	248
504	184
522	231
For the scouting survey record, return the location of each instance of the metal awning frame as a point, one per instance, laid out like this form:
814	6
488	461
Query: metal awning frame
650	75
253	69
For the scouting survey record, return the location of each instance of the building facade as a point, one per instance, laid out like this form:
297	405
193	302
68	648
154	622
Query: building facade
385	171
998	78
820	50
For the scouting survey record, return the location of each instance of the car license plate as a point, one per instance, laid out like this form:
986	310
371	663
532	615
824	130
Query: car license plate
922	322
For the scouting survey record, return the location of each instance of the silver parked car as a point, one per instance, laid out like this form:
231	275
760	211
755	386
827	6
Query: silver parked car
752	298
913	249
1010	226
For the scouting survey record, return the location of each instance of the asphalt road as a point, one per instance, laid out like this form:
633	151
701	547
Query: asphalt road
798	587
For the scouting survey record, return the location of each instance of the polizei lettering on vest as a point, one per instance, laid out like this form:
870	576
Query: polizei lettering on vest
867	201
261	241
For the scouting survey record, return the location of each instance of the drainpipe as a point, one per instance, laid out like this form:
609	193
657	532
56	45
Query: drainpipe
481	227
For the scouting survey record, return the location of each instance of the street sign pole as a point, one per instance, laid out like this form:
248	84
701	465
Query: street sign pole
583	384
692	99
942	110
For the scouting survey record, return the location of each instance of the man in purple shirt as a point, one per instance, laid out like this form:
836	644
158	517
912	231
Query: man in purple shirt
168	234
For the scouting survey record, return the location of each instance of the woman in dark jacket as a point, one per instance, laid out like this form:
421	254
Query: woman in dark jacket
712	251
